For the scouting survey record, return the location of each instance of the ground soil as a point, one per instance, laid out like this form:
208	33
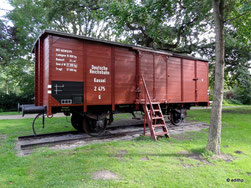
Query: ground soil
120	154
174	131
26	116
196	156
227	158
104	175
62	115
145	158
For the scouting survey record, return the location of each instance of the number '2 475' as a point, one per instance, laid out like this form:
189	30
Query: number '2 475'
99	88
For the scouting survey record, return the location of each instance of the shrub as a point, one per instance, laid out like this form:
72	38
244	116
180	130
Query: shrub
242	89
234	101
229	95
8	102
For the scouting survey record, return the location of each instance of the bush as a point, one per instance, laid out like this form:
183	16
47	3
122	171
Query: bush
225	102
229	95
234	101
243	95
242	89
8	102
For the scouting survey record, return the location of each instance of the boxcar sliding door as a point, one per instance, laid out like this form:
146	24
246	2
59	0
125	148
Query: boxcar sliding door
188	80
202	82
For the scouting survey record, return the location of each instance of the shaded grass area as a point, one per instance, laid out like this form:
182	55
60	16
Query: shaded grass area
177	162
8	113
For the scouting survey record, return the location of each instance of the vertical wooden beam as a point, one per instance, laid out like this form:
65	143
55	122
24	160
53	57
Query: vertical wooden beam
113	77
154	91
49	108
85	71
195	74
182	91
41	71
167	78
138	74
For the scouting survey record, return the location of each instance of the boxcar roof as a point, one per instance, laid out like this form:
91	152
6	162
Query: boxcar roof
114	43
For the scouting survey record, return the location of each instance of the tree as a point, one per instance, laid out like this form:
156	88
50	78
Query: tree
220	7
214	137
168	25
78	17
242	88
8	49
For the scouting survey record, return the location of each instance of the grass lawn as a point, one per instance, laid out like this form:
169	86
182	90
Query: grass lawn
137	163
9	113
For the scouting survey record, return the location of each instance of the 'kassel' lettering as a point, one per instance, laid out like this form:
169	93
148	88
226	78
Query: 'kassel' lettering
99	80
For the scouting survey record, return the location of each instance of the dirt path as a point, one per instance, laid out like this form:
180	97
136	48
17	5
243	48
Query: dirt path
209	107
19	116
81	139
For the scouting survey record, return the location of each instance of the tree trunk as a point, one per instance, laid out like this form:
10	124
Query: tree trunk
214	137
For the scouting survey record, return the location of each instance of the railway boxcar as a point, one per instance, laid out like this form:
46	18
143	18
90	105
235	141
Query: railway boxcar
92	79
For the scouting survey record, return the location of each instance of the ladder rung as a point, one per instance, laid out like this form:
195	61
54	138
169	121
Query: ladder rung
161	133
159	125
156	110
152	108
157	117
153	103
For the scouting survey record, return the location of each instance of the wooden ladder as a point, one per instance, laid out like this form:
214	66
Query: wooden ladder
153	116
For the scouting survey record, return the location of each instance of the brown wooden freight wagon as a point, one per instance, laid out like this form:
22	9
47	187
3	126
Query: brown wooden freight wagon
93	79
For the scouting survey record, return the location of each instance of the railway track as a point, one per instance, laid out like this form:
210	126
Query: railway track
26	144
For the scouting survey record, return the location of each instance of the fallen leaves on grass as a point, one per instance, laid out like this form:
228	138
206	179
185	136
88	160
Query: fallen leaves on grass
226	157
104	174
120	154
145	158
196	156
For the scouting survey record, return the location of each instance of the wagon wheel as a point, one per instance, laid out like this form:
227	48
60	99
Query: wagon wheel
175	118
77	122
94	127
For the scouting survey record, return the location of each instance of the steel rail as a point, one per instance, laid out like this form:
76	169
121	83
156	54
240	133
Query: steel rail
85	138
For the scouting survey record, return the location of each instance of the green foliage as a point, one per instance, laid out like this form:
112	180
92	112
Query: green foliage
238	16
28	18
18	75
241	92
243	89
168	25
7	43
78	17
237	54
8	102
16	66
